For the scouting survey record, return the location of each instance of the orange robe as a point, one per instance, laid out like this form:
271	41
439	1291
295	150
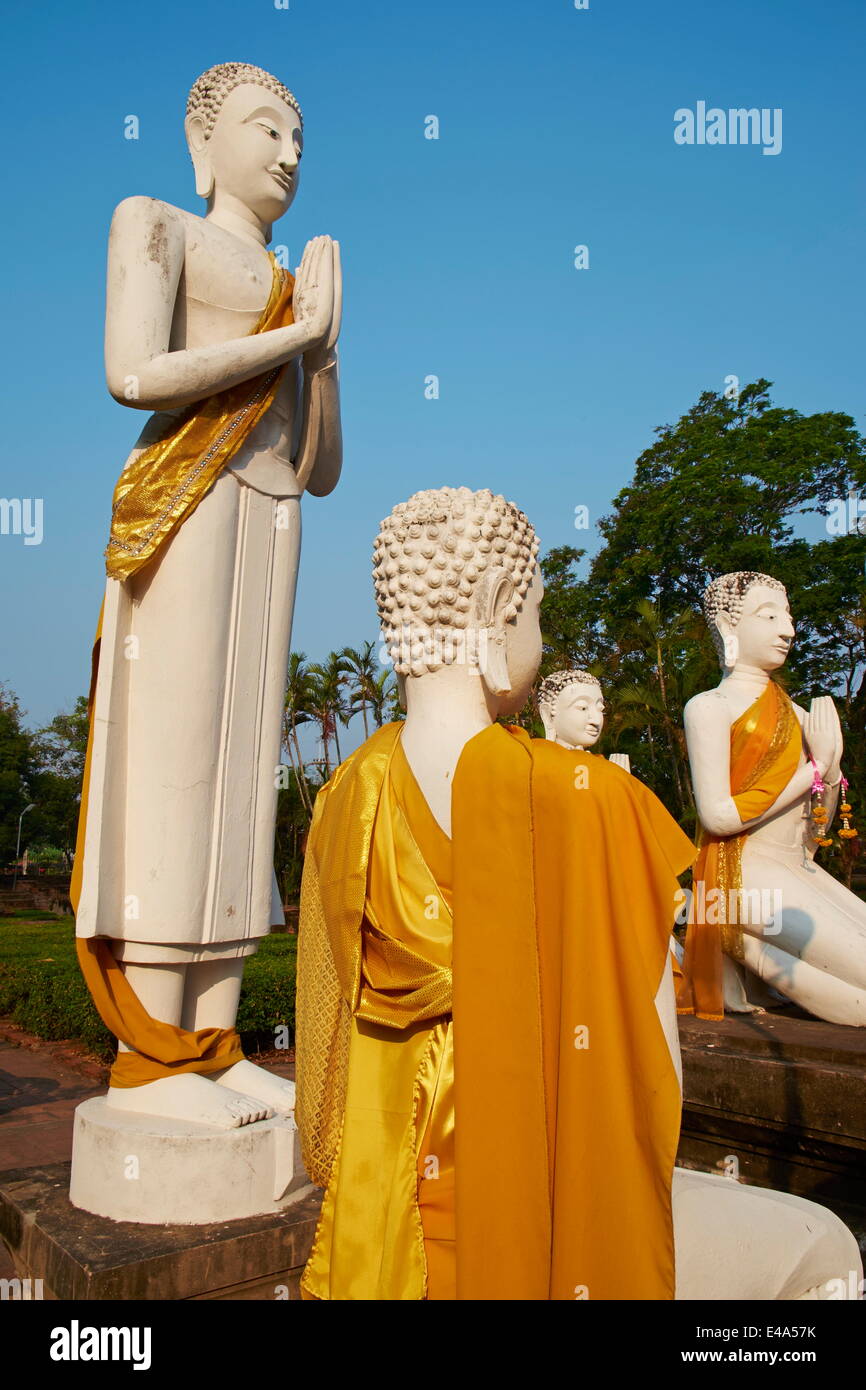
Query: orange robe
766	746
484	1087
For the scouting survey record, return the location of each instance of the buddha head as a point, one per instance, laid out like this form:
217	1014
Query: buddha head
572	708
245	135
458	586
749	619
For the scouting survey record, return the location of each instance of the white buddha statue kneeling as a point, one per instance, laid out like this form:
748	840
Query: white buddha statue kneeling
763	911
572	709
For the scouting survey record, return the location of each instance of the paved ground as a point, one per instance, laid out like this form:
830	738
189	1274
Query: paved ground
40	1086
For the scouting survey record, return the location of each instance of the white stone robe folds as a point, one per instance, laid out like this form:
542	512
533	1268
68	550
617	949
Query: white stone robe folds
178	851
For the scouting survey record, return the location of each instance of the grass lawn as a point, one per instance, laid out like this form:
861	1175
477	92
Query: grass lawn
42	989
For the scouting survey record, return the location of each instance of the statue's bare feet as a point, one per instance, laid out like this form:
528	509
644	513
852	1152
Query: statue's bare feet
734	986
191	1097
273	1090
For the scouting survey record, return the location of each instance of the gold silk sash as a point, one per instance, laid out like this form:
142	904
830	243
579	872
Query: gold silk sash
162	486
766	744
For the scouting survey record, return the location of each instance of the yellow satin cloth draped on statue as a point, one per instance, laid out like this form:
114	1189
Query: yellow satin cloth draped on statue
161	486
403	992
550	1164
766	744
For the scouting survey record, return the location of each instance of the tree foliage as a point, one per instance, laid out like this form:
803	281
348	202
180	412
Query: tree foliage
725	488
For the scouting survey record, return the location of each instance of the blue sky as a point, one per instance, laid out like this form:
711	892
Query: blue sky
556	129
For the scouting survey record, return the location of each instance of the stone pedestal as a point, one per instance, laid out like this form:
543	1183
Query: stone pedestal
782	1098
139	1168
80	1256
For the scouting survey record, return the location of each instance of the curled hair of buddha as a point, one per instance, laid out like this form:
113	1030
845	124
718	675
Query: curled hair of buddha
209	91
726	595
553	685
430	557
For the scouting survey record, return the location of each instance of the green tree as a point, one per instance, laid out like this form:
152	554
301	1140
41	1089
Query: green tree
297	711
327	703
361	669
17	767
385	698
292	824
719	491
60	750
726	488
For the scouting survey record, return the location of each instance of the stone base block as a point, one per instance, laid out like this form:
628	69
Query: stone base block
139	1168
76	1255
780	1100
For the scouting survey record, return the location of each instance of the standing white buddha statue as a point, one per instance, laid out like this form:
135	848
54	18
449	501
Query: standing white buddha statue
778	917
204	328
572	709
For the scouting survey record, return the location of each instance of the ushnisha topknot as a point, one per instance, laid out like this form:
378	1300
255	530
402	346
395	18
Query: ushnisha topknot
209	91
553	685
726	594
430	554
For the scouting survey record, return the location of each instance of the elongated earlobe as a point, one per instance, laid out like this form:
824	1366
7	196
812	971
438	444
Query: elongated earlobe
732	650
494	596
198	148
730	646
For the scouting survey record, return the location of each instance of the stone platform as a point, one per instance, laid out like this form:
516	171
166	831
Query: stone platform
782	1094
785	1096
81	1256
131	1167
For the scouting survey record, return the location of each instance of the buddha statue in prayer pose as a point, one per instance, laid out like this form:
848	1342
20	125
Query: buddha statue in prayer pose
763	913
572	709
484	980
174	880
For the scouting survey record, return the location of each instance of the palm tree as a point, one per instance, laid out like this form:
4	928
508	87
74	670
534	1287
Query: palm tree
327	703
299	691
657	701
361	667
383	698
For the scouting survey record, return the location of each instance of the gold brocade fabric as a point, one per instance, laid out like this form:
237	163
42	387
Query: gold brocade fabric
766	745
397	1038
162	486
461	1158
333	892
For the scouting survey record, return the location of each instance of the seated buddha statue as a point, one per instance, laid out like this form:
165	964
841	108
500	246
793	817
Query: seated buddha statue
765	915
572	709
484	981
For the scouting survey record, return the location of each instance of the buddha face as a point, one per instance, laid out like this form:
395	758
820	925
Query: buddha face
253	152
523	648
765	632
578	718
